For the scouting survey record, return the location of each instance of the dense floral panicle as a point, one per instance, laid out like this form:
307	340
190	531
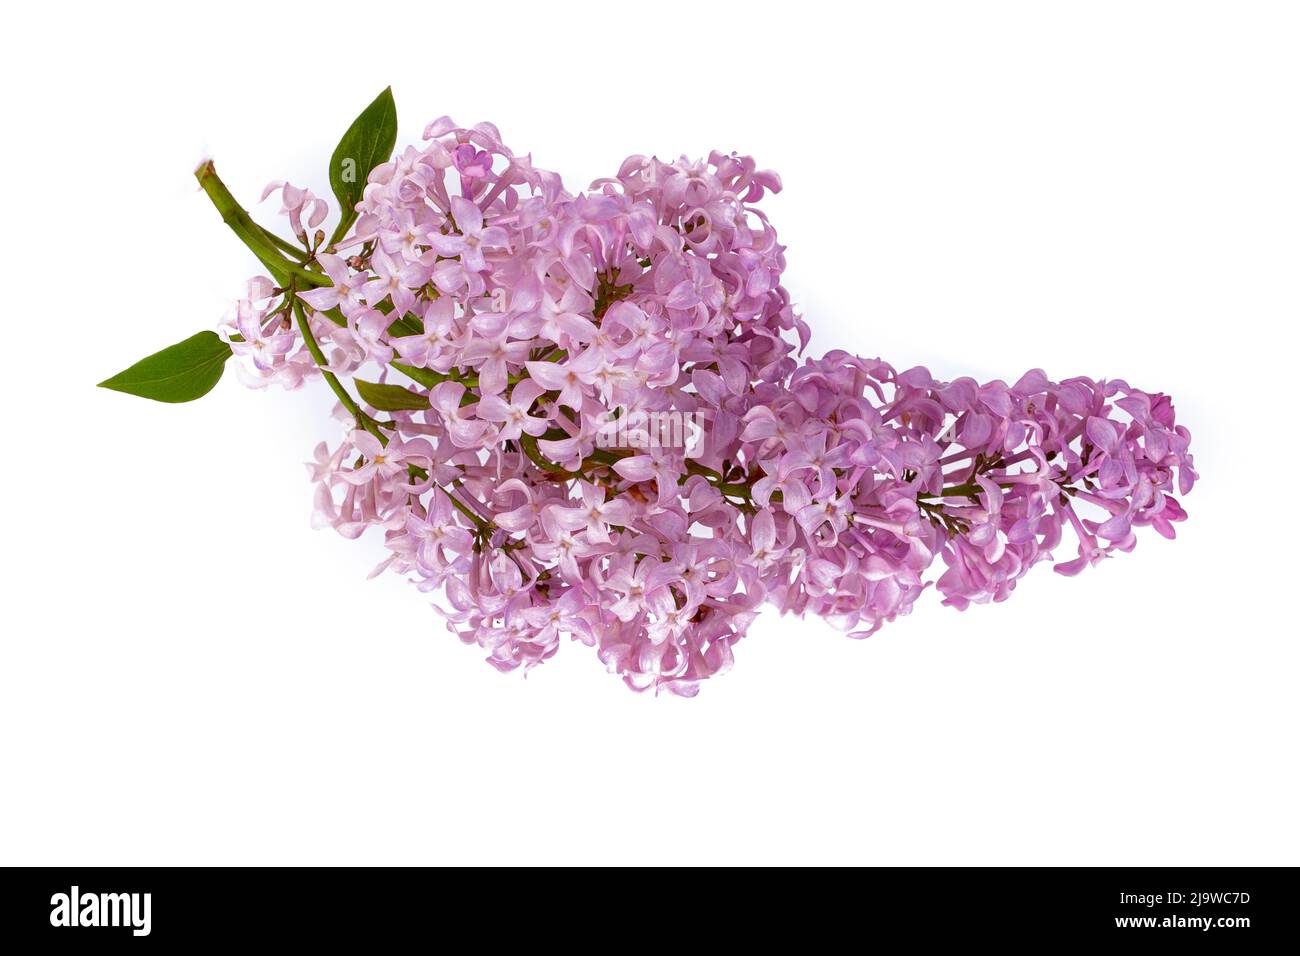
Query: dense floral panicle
530	324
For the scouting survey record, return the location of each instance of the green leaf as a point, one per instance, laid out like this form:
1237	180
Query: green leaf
179	373
368	142
390	398
406	325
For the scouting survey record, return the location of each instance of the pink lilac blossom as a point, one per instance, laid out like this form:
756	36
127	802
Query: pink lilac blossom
520	315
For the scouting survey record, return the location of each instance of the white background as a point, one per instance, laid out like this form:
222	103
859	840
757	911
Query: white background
190	674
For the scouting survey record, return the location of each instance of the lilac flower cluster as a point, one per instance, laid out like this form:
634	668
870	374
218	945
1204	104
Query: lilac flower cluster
508	321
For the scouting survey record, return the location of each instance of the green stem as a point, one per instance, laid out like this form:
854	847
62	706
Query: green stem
266	246
427	376
362	419
348	402
251	234
553	471
966	490
284	245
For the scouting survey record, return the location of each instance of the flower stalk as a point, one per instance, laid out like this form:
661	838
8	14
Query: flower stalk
529	320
